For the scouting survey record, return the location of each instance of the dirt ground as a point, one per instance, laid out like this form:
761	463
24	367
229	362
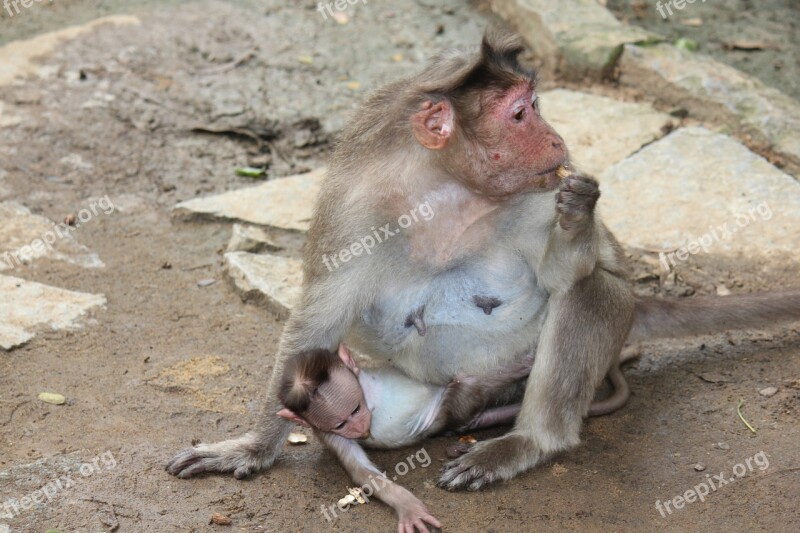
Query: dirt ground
127	112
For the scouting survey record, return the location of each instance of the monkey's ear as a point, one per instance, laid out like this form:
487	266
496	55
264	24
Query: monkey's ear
290	415
347	359
433	126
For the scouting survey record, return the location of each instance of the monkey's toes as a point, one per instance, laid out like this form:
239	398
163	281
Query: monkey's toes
461	474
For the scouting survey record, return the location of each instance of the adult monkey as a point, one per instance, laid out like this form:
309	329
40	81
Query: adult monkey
491	277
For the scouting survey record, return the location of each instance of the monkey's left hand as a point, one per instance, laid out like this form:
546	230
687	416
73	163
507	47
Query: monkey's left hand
575	201
492	460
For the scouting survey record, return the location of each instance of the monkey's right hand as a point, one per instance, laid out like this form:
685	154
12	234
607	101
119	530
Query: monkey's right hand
575	201
413	515
242	456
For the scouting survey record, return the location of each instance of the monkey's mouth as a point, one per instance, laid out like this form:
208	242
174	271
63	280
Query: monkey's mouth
550	178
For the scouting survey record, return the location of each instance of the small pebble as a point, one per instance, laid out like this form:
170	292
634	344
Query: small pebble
52	397
722	446
297	438
699	467
70	220
220	520
769	391
206	282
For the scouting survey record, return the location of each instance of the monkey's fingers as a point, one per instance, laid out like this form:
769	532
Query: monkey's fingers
236	456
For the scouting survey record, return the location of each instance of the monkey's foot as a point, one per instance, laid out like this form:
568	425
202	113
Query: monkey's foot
575	200
242	456
489	461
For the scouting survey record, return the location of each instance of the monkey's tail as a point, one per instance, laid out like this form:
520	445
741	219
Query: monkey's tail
673	317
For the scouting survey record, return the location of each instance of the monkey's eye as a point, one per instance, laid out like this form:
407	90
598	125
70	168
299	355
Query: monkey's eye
357	409
340	425
519	115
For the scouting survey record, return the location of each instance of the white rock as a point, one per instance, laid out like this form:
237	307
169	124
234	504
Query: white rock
716	92
27	307
586	120
286	203
266	279
575	37
697	186
25	237
768	391
250	239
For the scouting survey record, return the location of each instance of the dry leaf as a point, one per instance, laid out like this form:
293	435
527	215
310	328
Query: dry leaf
341	18
353	85
747	45
467	439
697	21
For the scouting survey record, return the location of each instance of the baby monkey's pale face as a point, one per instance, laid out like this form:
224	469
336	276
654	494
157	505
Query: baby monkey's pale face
339	406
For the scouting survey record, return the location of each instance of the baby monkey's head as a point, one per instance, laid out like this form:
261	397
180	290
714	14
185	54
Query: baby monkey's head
320	389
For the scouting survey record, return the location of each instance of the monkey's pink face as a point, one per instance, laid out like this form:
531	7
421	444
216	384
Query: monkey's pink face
338	406
522	151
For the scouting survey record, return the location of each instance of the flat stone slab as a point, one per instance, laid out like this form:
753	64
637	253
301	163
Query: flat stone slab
716	92
600	131
25	237
251	239
17	58
697	186
577	38
269	280
27	307
286	203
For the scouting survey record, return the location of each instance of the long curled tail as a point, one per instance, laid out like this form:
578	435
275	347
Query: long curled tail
673	317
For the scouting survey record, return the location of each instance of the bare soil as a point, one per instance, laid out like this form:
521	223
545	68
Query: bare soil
169	363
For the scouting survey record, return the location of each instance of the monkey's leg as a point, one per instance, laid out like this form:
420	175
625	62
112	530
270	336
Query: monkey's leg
309	327
584	330
466	397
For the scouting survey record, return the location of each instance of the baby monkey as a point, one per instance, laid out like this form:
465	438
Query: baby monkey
384	408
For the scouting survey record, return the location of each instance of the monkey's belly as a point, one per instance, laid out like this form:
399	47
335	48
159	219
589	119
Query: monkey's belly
472	316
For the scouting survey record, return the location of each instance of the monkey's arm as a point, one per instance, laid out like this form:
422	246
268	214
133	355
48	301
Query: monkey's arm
411	512
571	250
